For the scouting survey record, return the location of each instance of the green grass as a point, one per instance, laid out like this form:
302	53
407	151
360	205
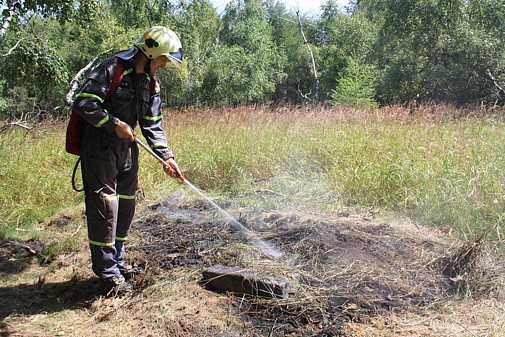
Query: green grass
444	174
438	170
35	175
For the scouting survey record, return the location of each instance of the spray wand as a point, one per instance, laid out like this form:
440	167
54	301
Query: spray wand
262	245
148	149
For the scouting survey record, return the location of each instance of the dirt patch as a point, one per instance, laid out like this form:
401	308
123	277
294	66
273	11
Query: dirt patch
17	256
343	268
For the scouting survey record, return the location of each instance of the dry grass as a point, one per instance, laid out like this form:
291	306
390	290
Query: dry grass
354	273
459	318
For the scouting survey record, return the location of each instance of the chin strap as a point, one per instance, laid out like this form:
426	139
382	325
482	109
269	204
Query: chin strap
147	67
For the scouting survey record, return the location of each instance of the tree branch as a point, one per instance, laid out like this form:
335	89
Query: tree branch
74	83
13	48
502	91
306	96
8	18
18	123
17	246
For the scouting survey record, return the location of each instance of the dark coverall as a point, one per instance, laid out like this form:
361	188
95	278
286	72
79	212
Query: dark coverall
109	163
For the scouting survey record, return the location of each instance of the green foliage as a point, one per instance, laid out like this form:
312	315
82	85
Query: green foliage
198	25
34	72
140	14
41	67
226	81
46	54
64	10
248	41
296	64
437	50
234	75
339	36
67	244
91	38
357	86
425	49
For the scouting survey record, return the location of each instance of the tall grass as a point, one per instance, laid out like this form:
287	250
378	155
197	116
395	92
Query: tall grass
35	177
435	168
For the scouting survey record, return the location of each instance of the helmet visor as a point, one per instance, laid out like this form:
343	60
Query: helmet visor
176	57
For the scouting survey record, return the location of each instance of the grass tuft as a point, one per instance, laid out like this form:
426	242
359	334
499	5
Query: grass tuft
439	166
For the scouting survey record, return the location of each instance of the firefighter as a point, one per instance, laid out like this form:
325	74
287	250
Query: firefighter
109	154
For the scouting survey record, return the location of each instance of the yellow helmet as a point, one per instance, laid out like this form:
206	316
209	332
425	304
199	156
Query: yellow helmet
157	41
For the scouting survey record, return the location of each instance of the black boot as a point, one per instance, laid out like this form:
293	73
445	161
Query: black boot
129	271
115	285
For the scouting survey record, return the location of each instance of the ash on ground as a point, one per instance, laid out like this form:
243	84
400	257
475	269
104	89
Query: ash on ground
342	267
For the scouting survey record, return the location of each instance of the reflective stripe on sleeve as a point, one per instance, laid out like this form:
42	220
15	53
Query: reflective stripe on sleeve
103	121
86	95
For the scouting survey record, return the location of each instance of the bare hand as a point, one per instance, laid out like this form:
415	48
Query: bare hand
173	169
124	130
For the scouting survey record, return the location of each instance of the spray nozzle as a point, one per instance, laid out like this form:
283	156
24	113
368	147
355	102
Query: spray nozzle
164	163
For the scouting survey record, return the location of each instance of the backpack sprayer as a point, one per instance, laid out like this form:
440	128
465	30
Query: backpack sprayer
259	243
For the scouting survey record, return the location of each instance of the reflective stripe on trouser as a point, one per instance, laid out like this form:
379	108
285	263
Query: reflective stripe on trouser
125	217
109	170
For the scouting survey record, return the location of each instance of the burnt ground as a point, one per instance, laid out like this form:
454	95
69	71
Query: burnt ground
342	267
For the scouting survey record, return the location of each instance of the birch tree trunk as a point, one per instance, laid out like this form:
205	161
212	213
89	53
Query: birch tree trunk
316	78
74	84
7	20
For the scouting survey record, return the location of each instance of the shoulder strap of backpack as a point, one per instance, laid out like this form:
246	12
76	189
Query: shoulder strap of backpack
152	85
118	75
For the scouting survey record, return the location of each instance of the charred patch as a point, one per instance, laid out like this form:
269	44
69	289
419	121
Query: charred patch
346	269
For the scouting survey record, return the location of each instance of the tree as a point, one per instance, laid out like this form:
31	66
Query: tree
357	86
64	10
298	81
340	35
43	54
33	72
198	25
311	54
487	19
435	49
141	14
248	41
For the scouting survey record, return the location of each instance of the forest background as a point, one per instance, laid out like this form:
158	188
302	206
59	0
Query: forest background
368	53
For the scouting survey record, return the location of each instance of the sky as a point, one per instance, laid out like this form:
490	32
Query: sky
311	7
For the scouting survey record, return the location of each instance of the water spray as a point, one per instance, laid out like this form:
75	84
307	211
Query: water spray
259	243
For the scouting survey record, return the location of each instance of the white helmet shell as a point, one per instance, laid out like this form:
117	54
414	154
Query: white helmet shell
157	41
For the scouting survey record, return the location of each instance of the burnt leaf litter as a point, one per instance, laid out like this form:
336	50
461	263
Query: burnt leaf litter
344	268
